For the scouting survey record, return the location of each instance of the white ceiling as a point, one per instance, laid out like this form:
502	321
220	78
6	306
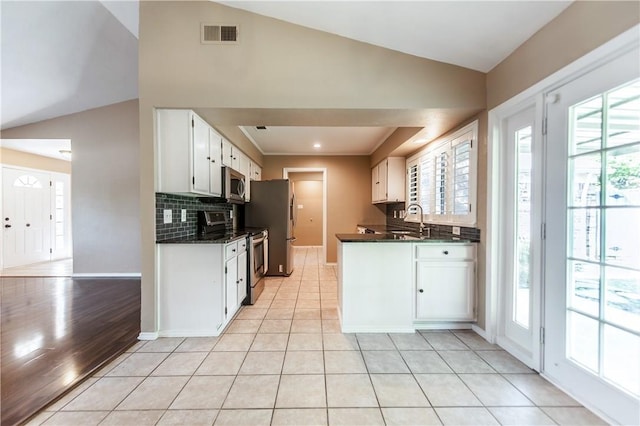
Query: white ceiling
62	57
45	147
472	34
293	140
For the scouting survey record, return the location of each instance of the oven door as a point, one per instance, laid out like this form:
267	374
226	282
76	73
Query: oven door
260	252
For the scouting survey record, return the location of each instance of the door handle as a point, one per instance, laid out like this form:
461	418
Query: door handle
7	226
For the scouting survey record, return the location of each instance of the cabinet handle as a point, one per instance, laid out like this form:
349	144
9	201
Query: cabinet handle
208	158
445	252
28	225
233	250
213	161
421	291
7	226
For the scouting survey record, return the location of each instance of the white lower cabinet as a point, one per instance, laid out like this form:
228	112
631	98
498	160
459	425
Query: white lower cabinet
196	296
444	282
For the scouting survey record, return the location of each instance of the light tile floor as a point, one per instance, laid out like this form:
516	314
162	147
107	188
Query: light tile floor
283	361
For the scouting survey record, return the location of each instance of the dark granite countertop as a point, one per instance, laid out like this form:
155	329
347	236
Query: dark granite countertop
390	237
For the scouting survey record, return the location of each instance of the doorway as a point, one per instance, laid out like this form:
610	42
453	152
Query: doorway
36	208
310	188
592	267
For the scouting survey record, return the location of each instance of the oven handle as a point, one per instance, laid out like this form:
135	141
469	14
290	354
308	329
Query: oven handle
258	240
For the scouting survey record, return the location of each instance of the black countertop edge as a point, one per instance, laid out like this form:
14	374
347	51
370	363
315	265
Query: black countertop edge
199	239
395	238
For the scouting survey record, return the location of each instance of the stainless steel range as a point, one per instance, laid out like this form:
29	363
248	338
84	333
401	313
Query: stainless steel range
258	264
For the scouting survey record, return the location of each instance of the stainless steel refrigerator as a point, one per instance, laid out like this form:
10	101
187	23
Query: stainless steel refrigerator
272	206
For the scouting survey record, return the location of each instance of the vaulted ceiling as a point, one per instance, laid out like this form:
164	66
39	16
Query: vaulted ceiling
62	57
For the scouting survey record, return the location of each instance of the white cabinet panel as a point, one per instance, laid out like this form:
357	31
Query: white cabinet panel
444	282
242	276
227	153
387	181
444	291
185	148
231	285
190	289
215	163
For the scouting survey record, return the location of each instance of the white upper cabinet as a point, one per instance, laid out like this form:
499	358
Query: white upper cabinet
387	181
230	155
256	171
184	153
215	162
191	154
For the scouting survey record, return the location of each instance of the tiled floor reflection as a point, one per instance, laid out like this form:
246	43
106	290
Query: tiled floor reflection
283	361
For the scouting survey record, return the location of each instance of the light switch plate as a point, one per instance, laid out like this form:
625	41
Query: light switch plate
455	230
167	216
183	215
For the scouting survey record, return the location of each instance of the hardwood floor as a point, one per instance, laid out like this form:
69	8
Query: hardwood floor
56	331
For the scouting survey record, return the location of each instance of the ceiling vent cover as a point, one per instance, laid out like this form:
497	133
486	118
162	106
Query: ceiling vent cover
219	34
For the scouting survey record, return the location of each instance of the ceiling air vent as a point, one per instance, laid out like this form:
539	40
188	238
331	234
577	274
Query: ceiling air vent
219	34
261	127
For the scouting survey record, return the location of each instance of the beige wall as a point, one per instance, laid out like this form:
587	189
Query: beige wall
309	205
104	184
348	191
293	76
33	161
579	29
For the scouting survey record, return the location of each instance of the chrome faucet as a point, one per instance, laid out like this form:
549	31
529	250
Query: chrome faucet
421	221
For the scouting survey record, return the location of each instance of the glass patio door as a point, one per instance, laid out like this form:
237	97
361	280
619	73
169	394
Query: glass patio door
520	289
592	250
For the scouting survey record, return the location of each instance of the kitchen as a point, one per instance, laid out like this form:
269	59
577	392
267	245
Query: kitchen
226	86
298	96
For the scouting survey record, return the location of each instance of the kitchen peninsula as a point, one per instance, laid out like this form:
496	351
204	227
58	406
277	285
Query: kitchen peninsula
400	282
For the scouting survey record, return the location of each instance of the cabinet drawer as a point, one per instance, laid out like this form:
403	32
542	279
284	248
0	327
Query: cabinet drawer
445	251
231	250
242	245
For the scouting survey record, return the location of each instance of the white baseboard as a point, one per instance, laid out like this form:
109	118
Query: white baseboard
108	275
378	329
147	335
189	333
442	326
482	333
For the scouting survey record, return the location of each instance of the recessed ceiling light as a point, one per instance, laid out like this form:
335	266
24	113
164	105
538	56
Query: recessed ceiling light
317	145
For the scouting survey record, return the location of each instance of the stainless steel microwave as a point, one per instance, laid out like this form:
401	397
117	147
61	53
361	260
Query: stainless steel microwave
233	185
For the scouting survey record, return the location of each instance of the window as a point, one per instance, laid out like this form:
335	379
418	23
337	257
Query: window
27	181
442	179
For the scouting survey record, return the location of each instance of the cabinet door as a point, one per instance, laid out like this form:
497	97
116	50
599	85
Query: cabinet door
227	153
374	184
242	277
445	291
215	163
382	178
200	146
245	169
231	287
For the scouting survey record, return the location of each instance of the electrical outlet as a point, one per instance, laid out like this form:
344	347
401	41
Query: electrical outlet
168	218
455	230
183	215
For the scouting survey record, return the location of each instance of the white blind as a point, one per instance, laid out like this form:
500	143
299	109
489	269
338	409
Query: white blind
426	184
441	181
461	170
412	172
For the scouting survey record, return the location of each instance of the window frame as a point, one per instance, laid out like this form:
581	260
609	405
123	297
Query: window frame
445	145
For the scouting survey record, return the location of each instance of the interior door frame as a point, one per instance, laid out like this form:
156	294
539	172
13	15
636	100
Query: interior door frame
613	48
323	170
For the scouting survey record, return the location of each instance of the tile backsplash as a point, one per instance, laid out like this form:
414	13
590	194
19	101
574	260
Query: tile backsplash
175	202
444	231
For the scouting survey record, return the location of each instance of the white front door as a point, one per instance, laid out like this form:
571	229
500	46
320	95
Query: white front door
519	310
26	217
592	254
